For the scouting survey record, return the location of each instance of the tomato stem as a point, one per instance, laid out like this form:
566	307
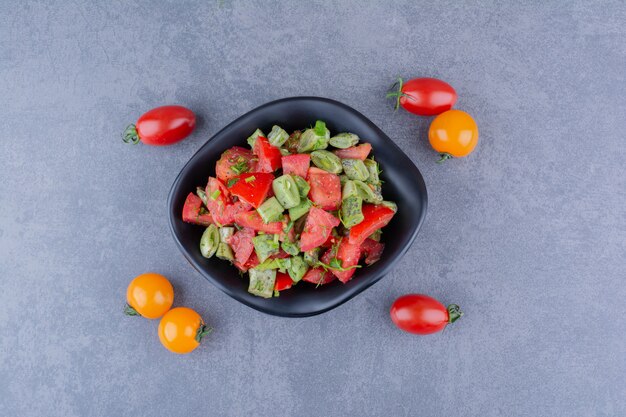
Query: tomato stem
397	93
444	157
202	331
130	134
454	313
129	311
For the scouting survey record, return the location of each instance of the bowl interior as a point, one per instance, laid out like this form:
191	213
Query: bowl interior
403	184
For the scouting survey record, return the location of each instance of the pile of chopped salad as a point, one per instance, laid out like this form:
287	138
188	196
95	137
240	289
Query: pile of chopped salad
295	207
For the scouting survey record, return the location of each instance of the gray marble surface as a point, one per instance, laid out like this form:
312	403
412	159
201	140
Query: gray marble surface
528	234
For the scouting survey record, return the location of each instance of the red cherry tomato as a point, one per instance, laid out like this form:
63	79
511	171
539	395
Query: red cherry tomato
423	96
421	314
161	126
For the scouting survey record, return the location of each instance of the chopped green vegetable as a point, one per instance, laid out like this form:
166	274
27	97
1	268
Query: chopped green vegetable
225	252
355	169
271	210
252	139
277	136
280	264
351	211
349	189
343	178
367	193
240	167
374	171
262	282
265	246
311	257
314	139
202	194
292	248
327	161
226	232
232	182
300	210
391	205
286	191
209	241
250	178
344	140
297	269
303	186
284	152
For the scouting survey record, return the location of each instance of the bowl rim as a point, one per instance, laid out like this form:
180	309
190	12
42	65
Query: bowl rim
352	292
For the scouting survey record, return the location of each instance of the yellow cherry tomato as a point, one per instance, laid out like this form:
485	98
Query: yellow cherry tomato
453	134
149	295
181	330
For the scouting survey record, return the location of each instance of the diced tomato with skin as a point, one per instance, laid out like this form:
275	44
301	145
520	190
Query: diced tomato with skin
283	282
315	170
374	217
220	206
318	226
318	276
349	255
297	164
253	220
252	188
325	190
372	250
235	156
242	244
332	240
193	212
252	262
280	255
356	152
269	156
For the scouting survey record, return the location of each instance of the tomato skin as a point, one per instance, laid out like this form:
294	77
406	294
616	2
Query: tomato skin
317	228
318	276
253	188
425	96
270	158
232	157
165	125
253	220
297	164
150	295
453	134
283	282
374	217
180	328
421	314
325	189
356	152
193	211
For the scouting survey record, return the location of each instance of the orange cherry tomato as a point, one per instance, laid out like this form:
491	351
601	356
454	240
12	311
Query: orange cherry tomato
453	134
181	330
149	295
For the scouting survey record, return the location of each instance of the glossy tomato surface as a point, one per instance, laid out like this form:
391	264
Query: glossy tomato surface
427	96
165	125
181	329
453	134
419	314
150	295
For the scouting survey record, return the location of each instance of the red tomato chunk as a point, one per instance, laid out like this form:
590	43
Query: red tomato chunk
318	226
325	190
374	217
297	164
252	188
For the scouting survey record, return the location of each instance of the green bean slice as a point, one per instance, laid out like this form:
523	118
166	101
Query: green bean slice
327	161
209	241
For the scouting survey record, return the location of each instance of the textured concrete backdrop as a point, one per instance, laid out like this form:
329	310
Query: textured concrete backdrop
528	234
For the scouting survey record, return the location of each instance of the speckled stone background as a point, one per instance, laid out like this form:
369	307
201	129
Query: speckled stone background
528	234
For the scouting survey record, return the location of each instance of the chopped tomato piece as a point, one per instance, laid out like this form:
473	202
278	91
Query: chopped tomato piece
349	255
269	156
332	240
252	188
253	220
235	161
374	217
315	170
283	282
356	152
297	164
325	190
193	212
252	262
319	225
318	276
242	245
372	250
219	203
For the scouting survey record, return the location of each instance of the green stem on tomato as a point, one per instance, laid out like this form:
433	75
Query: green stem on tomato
398	93
130	135
444	157
129	311
454	313
202	331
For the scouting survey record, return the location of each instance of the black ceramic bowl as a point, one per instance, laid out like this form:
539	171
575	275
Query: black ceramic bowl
403	184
